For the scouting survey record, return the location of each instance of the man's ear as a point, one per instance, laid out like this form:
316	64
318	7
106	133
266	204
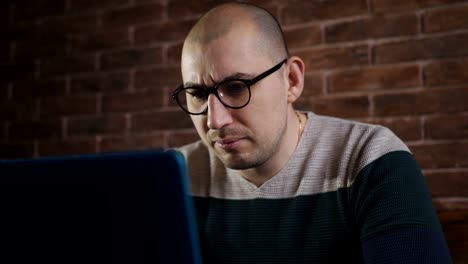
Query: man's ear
295	78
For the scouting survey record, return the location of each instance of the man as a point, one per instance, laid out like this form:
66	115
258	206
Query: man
274	185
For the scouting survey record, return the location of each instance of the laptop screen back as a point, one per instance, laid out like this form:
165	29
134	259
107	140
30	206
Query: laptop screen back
102	208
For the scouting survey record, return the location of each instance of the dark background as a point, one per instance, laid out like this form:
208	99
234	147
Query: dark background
86	76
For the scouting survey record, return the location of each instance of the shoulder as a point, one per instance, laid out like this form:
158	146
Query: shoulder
197	157
353	131
359	142
193	150
339	149
387	194
201	166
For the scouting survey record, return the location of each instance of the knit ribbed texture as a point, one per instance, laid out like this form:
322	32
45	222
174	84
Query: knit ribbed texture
348	183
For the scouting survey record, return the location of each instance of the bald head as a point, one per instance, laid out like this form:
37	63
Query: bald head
222	19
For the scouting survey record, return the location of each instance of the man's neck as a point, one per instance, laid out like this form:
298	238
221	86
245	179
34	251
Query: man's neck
263	173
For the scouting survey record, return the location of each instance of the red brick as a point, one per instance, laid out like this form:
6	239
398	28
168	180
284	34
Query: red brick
270	6
27	50
300	11
70	24
407	128
148	1
374	78
158	78
22	109
97	41
455	227
179	9
303	36
446	72
40	41
136	15
83	126
78	63
334	57
428	48
68	106
108	84
30	10
133	142
313	84
92	5
38	88
447	127
447	183
16	150
174	54
394	5
168	31
50	39
346	107
379	26
131	57
129	102
452	204
421	102
180	138
452	18
160	120
67	147
43	129
441	155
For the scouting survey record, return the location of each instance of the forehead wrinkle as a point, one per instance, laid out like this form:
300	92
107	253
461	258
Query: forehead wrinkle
237	75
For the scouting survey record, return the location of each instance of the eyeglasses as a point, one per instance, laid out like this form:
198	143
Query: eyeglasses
232	93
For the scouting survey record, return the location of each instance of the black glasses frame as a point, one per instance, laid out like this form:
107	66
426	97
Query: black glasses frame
214	90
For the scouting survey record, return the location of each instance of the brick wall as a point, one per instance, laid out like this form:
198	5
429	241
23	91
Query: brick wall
84	76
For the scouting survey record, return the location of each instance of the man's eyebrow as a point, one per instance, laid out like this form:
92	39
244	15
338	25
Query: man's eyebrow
237	75
195	85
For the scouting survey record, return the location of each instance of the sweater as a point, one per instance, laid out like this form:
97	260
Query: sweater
351	192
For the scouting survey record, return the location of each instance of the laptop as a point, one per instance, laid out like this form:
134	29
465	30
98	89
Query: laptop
130	207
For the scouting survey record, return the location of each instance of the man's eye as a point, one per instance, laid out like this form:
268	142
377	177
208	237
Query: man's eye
233	89
197	93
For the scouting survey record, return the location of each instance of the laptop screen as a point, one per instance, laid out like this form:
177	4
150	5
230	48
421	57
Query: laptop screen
101	208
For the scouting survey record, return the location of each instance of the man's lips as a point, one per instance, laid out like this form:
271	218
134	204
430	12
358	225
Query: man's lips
228	143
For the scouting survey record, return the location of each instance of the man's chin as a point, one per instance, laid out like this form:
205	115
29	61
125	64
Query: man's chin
237	161
239	158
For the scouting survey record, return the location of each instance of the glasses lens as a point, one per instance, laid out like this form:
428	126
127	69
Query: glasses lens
234	93
192	100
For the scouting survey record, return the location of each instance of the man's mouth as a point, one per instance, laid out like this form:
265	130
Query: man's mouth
228	143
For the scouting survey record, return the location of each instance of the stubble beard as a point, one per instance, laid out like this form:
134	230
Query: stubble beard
261	152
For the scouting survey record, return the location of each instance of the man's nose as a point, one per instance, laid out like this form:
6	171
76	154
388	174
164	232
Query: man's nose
218	115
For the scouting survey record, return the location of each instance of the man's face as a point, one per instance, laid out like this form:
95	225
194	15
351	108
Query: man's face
247	137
